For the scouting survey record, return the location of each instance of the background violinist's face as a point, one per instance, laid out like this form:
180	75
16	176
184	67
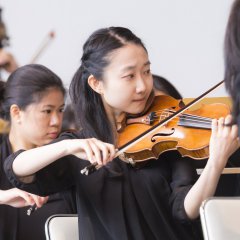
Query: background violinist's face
41	122
127	80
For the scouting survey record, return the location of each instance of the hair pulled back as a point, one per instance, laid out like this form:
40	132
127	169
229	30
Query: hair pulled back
25	86
89	109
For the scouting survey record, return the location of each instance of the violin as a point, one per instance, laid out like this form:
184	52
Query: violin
167	125
188	133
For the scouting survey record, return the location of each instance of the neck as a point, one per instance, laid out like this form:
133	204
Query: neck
113	117
18	142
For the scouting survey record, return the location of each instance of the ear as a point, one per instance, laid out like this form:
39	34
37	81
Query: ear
15	113
95	84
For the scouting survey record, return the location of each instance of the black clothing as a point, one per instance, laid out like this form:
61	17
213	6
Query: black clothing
1	137
15	224
124	203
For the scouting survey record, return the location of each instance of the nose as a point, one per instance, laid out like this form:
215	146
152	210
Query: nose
140	85
56	119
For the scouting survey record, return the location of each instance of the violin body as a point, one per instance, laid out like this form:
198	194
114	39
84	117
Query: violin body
189	133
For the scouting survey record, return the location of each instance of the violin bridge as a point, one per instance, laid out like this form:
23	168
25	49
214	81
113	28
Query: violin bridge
149	119
146	119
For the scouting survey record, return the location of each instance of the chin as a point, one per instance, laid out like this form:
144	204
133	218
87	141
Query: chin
135	110
47	141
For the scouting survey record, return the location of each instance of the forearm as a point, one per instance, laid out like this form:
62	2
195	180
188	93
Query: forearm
29	162
204	188
223	142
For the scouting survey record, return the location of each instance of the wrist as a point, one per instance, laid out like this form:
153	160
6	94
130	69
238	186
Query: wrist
216	166
64	145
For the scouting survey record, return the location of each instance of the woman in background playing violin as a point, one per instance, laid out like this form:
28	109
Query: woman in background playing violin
157	201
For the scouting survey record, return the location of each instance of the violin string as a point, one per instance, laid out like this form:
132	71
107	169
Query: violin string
192	123
167	111
177	121
189	119
183	116
186	120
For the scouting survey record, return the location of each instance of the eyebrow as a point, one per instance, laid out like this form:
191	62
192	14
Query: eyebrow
51	106
132	67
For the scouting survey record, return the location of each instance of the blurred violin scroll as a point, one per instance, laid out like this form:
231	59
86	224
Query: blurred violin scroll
45	43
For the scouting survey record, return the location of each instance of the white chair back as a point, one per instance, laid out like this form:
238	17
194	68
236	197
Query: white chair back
62	227
220	218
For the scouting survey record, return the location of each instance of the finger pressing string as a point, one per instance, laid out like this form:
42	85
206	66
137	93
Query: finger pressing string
228	122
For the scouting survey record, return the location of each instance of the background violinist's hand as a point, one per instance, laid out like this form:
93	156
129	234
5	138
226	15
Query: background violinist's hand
7	61
223	142
17	198
91	149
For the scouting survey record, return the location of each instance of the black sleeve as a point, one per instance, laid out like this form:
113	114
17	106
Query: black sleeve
58	176
183	178
51	179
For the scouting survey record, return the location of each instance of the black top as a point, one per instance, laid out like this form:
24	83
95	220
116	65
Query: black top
124	203
15	224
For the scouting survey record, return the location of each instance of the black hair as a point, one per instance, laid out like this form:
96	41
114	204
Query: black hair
232	59
69	120
2	89
27	85
165	86
87	103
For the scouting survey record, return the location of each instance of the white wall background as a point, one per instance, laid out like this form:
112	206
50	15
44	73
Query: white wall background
184	37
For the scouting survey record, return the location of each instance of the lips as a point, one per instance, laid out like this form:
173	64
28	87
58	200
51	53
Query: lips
53	135
139	100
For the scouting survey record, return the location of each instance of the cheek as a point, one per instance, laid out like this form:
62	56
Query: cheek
149	84
119	97
37	124
36	129
60	118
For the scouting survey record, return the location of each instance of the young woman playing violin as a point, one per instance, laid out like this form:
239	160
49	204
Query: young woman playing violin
32	101
119	201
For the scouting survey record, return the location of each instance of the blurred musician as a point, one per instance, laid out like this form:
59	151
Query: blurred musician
7	60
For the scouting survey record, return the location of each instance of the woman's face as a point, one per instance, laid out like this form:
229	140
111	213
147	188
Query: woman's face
127	80
41	122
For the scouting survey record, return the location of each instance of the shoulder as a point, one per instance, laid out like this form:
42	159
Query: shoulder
71	134
68	135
